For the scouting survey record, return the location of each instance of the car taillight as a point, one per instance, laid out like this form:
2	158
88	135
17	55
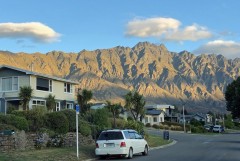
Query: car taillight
97	146
123	144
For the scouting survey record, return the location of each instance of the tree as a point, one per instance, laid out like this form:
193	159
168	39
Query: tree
115	110
228	121
232	96
25	96
83	99
135	103
50	102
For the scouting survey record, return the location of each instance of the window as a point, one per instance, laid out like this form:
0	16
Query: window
9	84
58	106
36	103
155	119
69	106
44	84
146	119
111	135
67	88
127	136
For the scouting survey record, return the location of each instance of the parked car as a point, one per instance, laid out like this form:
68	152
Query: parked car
218	128
209	128
124	143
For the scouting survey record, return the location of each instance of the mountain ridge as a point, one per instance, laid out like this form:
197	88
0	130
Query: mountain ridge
162	76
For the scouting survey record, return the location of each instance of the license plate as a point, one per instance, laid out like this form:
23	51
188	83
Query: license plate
108	145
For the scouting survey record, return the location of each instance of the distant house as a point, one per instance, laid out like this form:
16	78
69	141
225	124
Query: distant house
12	78
156	114
153	116
206	118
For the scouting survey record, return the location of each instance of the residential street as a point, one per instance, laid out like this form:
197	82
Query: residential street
195	147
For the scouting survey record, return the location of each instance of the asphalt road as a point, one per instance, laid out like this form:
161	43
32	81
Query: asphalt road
195	147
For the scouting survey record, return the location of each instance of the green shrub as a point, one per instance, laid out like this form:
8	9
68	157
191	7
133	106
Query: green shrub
100	119
57	122
198	129
136	125
148	125
71	116
120	123
16	121
156	126
35	117
84	128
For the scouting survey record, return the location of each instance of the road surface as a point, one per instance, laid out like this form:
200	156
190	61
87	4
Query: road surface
194	147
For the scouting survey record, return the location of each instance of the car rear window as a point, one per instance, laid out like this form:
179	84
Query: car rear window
111	135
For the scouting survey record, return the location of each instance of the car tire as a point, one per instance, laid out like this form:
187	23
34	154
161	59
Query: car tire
130	153
145	152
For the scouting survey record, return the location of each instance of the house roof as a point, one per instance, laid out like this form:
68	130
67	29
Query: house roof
27	72
153	112
157	106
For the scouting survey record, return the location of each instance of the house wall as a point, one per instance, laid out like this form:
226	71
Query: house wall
57	90
159	119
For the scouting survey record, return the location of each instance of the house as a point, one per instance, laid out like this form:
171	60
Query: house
153	116
12	78
156	114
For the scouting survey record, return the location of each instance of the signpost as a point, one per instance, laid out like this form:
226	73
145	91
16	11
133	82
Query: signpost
77	112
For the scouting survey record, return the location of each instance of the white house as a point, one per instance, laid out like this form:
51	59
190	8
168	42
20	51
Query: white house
153	116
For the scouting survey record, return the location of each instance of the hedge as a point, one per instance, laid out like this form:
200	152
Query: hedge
16	121
57	122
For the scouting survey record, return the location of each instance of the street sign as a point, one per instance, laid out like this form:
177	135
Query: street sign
77	109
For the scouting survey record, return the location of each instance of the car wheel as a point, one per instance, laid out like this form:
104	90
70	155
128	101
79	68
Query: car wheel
145	150
130	153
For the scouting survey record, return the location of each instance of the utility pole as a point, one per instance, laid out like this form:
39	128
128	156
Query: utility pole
184	128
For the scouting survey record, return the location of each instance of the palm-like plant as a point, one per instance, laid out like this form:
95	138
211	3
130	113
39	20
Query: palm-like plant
25	96
135	103
115	110
83	99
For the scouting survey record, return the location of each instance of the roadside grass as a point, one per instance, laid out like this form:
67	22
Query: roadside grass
155	141
50	154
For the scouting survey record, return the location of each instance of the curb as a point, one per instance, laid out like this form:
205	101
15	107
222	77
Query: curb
164	146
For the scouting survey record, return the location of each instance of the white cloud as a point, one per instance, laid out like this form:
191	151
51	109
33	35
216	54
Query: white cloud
167	29
192	33
229	49
34	30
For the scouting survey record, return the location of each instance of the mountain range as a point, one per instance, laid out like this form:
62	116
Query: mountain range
196	81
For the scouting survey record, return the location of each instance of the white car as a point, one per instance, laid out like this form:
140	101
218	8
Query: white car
218	128
123	143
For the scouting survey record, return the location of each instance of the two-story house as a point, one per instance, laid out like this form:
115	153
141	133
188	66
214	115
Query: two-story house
12	78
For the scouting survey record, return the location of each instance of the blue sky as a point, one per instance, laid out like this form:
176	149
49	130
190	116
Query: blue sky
206	26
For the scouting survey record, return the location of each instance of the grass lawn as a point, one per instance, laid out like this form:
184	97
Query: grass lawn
155	141
50	154
66	154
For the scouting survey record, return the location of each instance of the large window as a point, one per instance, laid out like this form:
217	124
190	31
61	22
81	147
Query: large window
37	103
44	84
67	88
9	84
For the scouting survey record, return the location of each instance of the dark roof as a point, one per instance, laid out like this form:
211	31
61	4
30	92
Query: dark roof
27	72
153	112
